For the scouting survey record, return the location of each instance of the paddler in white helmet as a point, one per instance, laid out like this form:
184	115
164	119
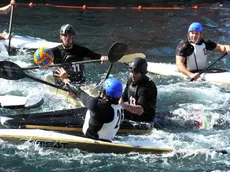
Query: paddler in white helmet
191	53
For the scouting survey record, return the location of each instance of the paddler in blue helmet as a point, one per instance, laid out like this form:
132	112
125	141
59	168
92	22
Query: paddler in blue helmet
104	114
191	53
69	52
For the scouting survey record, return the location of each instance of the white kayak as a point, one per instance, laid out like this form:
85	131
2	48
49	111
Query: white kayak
165	69
20	42
60	140
14	102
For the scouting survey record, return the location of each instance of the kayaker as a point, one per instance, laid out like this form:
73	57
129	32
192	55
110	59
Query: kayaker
3	10
191	53
140	94
69	51
104	115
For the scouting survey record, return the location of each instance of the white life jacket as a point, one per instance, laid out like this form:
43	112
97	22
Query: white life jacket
108	130
198	59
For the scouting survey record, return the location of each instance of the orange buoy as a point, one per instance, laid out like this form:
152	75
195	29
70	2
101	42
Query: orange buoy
31	4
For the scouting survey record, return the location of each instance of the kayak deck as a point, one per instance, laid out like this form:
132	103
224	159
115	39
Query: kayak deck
214	75
20	42
21	102
60	140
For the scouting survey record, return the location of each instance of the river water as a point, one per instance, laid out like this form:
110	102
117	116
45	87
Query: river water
155	33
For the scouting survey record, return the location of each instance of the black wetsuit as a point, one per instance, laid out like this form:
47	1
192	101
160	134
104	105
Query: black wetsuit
75	54
145	94
103	118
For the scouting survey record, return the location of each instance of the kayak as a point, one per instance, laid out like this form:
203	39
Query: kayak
25	102
214	75
69	120
61	140
20	42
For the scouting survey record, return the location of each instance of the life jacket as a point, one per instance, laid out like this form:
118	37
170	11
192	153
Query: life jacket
198	59
104	131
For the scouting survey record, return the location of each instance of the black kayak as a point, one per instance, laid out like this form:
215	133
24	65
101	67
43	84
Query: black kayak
71	120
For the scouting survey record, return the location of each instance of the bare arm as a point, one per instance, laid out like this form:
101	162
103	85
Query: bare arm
7	8
136	109
3	36
223	48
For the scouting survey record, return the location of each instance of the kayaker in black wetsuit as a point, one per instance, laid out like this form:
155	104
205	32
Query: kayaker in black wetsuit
140	94
69	52
3	10
104	115
191	53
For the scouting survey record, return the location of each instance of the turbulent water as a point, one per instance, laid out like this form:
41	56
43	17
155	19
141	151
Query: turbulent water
155	33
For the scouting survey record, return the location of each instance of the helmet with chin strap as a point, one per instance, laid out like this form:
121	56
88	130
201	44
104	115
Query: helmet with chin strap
195	27
67	29
139	65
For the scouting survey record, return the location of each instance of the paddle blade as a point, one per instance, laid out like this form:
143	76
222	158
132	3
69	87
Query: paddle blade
130	57
116	51
10	71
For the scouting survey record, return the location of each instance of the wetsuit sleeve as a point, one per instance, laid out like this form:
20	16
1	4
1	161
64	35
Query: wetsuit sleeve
99	110
88	101
90	54
210	45
184	49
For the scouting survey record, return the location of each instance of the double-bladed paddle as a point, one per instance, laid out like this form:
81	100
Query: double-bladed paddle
11	71
208	67
124	59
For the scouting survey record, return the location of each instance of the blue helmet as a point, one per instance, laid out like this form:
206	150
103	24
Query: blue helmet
113	88
195	27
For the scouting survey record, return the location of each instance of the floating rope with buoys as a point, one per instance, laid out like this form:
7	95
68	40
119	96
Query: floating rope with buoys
84	7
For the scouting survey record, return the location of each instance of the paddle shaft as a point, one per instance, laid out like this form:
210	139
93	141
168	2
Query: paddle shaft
107	75
58	65
125	59
10	27
208	67
45	82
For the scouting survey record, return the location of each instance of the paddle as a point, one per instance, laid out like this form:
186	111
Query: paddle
122	50
10	27
11	71
208	67
124	59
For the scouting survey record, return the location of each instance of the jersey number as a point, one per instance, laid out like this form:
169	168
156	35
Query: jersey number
132	101
76	68
120	114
